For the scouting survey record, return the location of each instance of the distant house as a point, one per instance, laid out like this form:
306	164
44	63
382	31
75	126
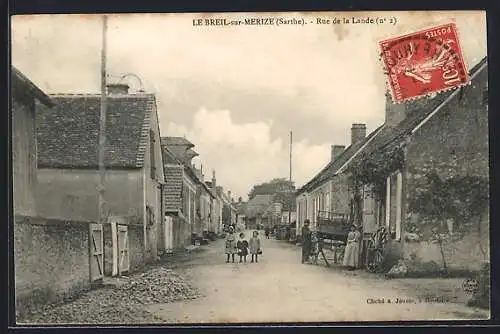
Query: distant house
215	224
204	198
288	217
445	136
259	211
229	211
241	219
180	188
68	173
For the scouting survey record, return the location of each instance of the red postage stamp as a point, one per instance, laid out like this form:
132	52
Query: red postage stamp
424	62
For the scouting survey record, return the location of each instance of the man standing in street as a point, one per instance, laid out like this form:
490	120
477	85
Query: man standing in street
306	241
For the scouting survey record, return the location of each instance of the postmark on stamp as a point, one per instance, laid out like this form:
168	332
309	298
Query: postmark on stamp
424	62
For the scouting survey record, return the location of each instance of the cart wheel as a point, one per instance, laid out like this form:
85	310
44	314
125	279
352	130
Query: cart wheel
378	257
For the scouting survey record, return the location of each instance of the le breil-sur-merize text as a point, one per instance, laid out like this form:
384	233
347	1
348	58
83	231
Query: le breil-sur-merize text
266	21
269	21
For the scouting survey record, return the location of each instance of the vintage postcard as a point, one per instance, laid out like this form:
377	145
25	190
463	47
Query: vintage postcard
250	167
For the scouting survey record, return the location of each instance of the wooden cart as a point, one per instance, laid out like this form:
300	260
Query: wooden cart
332	230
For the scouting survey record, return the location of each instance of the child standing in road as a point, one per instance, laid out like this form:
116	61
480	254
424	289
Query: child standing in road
242	246
314	247
230	244
255	249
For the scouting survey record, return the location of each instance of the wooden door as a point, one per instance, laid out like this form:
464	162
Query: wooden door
369	222
369	212
169	234
96	251
123	249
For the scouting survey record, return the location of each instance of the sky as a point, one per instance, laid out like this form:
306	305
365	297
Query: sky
237	92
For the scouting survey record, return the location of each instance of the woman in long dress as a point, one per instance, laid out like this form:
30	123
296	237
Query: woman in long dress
352	249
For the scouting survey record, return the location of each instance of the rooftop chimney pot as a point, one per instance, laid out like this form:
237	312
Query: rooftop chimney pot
394	113
358	132
118	88
336	151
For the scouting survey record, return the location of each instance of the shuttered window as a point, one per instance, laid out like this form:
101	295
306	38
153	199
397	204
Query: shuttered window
152	154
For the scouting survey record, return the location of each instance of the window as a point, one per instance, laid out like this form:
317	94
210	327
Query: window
152	154
327	202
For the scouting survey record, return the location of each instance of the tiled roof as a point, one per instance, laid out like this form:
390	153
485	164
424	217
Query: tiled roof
68	134
169	157
170	141
191	154
22	85
258	205
332	167
419	110
385	135
261	200
173	189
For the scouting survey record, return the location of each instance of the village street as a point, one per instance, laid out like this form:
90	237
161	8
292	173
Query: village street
281	289
123	188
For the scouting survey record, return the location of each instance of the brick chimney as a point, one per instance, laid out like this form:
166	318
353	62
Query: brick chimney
394	113
358	132
336	151
118	89
214	180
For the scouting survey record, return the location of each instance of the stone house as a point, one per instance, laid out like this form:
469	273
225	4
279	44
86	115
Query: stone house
229	211
52	257
204	198
180	193
445	136
44	250
286	216
328	192
69	177
215	224
259	211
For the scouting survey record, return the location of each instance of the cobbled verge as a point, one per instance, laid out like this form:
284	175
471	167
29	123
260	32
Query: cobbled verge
121	304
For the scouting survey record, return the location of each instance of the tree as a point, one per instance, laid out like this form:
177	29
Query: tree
277	185
458	201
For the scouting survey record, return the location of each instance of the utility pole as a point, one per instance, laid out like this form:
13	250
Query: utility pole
290	203
102	124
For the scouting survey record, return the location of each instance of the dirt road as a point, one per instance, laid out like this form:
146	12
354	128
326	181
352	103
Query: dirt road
281	289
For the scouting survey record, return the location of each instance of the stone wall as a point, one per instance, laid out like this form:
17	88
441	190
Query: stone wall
23	156
136	247
72	193
452	143
51	262
465	253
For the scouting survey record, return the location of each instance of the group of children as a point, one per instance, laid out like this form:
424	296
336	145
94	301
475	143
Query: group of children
242	247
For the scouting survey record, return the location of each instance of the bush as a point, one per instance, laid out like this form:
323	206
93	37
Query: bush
392	255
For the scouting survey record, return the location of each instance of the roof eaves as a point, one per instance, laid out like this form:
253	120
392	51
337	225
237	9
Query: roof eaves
168	141
32	88
146	127
474	72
